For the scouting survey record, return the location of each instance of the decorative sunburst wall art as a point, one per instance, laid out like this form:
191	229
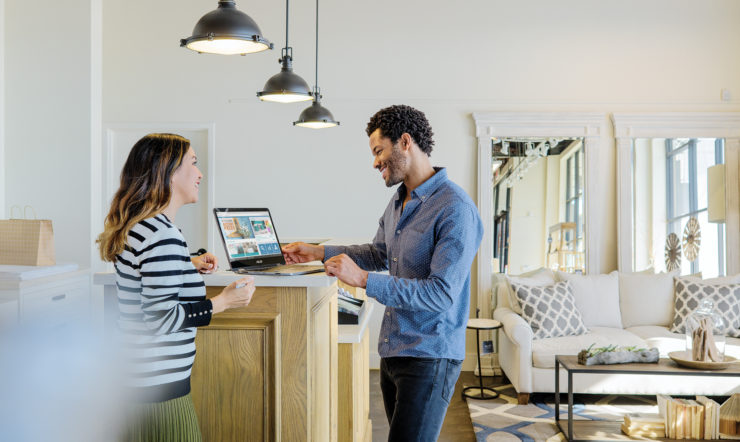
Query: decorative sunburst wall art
691	239
672	252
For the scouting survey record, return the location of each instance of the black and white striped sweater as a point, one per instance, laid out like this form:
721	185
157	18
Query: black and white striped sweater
161	299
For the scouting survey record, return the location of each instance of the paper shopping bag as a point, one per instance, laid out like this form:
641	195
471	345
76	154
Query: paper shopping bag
27	242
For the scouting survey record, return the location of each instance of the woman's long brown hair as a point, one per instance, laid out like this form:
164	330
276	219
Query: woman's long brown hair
145	188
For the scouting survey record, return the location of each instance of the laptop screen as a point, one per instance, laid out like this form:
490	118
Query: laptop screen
249	237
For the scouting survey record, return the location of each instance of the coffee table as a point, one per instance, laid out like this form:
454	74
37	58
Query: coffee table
609	431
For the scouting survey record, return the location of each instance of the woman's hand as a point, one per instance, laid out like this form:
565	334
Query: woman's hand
237	294
205	263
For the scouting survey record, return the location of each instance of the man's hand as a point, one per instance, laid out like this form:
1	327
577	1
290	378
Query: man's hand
205	263
346	270
298	252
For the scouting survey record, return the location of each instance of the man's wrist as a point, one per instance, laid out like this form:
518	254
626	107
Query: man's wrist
365	274
320	252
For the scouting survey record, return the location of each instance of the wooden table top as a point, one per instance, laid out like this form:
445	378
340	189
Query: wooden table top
663	366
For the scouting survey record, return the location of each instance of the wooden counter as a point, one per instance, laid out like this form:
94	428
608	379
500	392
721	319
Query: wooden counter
354	376
267	372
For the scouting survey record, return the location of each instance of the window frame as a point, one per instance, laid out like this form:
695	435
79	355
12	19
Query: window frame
694	209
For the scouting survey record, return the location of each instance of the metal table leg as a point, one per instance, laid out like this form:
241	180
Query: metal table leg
485	393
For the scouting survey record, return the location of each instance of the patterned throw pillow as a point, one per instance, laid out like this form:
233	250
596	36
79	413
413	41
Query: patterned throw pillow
690	292
550	310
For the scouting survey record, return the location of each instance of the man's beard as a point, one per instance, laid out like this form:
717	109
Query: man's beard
395	165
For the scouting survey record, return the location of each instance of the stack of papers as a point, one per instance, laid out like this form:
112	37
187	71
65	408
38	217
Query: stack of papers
650	425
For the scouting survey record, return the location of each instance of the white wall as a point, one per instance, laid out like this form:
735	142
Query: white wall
448	60
575	55
48	120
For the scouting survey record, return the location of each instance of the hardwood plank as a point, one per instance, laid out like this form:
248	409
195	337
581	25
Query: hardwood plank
292	303
346	383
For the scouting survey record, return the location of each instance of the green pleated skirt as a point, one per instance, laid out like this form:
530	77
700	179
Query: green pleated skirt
169	421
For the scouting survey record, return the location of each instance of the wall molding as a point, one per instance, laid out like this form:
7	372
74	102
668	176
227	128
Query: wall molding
591	126
628	126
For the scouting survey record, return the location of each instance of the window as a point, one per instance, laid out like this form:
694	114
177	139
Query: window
687	161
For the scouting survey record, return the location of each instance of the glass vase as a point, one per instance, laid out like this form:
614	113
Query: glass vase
700	344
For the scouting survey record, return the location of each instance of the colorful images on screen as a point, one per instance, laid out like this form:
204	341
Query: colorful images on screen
249	235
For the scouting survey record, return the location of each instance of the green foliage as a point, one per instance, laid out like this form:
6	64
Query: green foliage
591	351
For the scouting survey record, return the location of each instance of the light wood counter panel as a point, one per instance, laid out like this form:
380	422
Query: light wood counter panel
354	377
267	372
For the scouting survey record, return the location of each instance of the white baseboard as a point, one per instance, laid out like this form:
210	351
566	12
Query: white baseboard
489	363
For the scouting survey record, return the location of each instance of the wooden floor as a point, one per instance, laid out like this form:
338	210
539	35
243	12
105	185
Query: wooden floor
457	426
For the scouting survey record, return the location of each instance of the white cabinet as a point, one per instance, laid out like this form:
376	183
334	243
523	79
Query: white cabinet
48	301
8	313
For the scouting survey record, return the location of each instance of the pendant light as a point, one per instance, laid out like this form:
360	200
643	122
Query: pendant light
286	86
316	116
226	31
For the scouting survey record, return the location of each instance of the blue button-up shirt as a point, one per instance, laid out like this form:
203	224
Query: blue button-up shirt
427	248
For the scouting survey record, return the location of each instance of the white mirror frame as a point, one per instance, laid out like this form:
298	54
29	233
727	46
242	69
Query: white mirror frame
628	126
591	126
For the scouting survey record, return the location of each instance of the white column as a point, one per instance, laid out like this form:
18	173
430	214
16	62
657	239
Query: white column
624	204
485	203
593	204
488	362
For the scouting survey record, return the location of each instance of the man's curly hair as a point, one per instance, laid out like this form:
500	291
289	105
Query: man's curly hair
394	121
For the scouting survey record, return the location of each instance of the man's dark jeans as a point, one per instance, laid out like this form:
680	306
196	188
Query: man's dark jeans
416	393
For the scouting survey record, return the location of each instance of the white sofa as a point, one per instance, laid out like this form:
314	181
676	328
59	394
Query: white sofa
622	309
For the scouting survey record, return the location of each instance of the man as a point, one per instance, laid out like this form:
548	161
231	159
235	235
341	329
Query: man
427	239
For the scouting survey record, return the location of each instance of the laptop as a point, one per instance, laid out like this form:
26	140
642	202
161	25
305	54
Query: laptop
252	244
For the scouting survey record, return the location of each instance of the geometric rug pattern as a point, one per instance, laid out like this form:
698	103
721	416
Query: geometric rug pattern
503	419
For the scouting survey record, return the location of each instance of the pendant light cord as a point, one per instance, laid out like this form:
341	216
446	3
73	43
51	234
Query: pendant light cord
316	75
287	8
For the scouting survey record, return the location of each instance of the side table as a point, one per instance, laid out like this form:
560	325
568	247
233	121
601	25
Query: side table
588	430
479	324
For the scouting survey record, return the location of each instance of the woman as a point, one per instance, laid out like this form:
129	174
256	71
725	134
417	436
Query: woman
161	295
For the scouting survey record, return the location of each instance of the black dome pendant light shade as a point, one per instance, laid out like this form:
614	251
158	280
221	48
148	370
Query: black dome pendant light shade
316	116
286	86
226	31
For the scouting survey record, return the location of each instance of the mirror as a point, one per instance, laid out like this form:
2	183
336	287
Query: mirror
678	197
669	170
538	204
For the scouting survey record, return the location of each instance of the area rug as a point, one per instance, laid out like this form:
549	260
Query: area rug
502	419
